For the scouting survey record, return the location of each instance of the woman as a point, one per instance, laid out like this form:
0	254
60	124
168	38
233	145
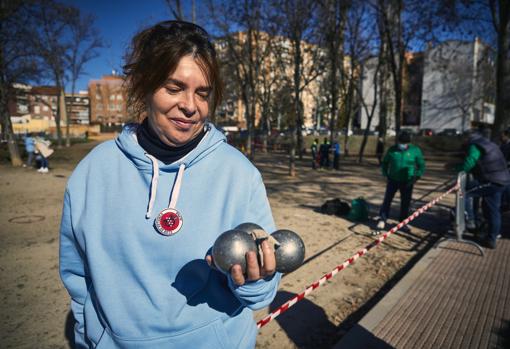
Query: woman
43	151
142	212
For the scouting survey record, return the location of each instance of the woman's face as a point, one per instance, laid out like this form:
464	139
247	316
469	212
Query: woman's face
177	111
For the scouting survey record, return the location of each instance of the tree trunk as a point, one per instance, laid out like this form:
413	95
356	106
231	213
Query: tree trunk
61	115
292	155
8	132
68	136
501	120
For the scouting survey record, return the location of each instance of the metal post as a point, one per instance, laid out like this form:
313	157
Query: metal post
460	214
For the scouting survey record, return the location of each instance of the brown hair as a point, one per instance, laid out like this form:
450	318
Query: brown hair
155	53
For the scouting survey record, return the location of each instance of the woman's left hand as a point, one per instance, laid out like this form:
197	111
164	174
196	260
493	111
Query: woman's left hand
254	271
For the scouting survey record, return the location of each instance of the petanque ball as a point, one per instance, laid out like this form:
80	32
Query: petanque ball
291	252
248	227
230	248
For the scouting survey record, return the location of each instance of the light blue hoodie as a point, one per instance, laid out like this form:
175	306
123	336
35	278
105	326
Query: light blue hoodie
134	288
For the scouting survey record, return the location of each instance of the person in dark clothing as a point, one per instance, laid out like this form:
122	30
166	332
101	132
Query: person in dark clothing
324	151
403	165
485	161
505	149
336	155
379	150
314	148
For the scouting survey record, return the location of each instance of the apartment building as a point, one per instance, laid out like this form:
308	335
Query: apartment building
78	107
33	108
458	85
274	81
107	99
448	86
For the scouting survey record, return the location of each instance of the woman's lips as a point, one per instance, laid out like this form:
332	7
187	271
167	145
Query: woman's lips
183	124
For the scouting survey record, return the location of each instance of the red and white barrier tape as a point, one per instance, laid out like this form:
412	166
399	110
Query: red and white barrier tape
351	260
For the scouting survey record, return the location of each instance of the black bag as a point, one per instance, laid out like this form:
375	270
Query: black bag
335	207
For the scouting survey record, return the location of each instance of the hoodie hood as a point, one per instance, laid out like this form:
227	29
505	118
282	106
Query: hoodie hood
145	162
128	144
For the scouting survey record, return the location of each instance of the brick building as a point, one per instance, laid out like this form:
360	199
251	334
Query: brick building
108	101
33	103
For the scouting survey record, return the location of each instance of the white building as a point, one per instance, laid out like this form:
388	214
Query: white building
457	85
456	88
369	96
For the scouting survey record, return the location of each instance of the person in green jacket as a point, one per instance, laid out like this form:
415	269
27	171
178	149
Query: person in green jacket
402	165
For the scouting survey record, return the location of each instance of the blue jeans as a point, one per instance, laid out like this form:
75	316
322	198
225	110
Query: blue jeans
406	192
505	199
30	158
491	201
43	161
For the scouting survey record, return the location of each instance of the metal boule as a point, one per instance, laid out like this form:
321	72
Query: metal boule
291	252
230	248
248	227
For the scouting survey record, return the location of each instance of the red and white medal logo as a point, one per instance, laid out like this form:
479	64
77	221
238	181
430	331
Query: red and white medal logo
168	222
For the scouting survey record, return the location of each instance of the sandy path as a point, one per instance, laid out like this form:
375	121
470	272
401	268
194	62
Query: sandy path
35	304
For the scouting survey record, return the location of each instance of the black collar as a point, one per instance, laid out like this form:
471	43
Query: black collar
150	142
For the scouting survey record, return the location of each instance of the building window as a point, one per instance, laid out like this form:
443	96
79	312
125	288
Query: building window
45	108
112	97
119	97
99	106
37	109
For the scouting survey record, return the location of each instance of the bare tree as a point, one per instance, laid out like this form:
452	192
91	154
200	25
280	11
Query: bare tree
243	52
175	8
18	62
489	19
85	41
52	45
177	11
500	14
333	13
403	23
298	25
369	110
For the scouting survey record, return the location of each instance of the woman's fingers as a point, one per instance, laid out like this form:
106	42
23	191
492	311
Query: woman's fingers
252	266
237	274
254	271
269	259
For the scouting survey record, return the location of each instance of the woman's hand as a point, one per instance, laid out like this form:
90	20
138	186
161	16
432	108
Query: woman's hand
254	271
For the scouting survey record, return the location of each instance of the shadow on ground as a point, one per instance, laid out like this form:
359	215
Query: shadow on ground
304	316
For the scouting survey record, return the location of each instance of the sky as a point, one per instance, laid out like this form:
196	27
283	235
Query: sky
117	21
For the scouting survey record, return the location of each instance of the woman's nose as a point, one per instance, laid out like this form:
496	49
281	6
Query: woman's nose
187	105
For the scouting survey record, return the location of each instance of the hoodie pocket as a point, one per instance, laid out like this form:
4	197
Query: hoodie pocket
211	335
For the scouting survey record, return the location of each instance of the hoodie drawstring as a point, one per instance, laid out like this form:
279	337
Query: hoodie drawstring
174	196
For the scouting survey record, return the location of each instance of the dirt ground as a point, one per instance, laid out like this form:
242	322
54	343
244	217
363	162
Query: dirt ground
35	306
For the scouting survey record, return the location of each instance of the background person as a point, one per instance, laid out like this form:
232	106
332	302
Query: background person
30	149
324	153
141	212
336	155
485	161
505	149
44	151
314	147
402	165
379	150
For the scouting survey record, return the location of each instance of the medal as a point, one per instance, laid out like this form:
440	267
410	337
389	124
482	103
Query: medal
168	222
